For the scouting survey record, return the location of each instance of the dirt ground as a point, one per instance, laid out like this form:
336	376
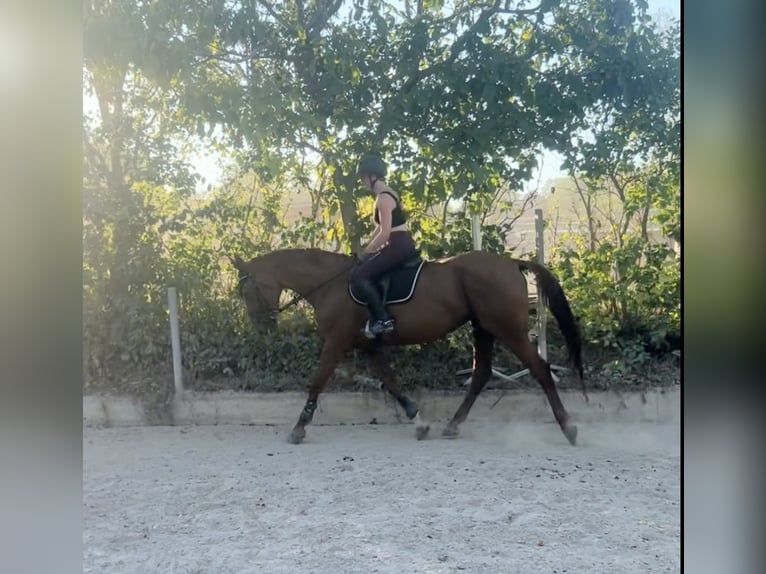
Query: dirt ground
513	498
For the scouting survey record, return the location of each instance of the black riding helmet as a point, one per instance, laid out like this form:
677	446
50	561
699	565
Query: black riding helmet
373	166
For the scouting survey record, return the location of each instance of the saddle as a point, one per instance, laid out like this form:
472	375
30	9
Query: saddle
396	285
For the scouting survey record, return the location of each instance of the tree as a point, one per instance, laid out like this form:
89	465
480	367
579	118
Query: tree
632	147
625	169
458	99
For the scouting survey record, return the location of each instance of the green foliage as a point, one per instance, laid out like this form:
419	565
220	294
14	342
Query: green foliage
624	279
462	95
622	274
636	288
438	239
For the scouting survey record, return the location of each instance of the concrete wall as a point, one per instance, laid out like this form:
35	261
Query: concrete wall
662	405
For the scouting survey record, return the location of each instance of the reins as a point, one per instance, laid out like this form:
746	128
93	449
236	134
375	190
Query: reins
298	296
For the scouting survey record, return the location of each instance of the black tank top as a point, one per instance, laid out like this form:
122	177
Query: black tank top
398	217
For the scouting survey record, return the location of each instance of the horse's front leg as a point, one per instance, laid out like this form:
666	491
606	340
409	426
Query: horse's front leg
330	356
381	363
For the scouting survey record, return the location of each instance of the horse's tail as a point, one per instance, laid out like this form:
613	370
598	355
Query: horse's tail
550	288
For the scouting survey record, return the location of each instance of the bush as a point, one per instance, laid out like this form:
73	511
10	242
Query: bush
627	297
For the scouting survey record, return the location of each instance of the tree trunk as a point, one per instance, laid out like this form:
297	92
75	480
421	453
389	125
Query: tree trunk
344	189
587	199
645	214
108	85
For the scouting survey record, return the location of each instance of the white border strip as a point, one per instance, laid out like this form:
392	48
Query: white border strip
654	406
407	298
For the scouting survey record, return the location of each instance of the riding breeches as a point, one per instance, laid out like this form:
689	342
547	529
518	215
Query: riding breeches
399	248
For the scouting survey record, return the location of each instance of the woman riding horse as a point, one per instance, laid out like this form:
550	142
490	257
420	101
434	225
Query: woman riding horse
391	244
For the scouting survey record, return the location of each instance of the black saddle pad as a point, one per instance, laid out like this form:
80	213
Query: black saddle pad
398	285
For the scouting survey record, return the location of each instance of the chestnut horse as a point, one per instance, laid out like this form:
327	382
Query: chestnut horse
486	289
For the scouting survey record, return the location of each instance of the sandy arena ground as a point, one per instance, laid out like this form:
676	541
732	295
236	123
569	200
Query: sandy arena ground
512	498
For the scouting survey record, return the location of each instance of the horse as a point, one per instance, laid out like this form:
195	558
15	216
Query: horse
435	297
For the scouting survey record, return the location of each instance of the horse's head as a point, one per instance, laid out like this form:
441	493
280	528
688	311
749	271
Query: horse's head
259	291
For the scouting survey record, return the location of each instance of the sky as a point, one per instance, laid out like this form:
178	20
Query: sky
210	168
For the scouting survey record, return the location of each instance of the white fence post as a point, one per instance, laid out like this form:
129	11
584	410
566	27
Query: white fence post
476	232
175	341
542	339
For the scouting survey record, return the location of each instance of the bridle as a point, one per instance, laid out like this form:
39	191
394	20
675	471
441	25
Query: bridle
244	277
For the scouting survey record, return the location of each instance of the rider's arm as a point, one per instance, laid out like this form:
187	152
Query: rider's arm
385	205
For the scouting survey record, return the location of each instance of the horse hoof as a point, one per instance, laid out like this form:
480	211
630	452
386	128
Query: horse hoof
422	432
450	432
296	437
570	432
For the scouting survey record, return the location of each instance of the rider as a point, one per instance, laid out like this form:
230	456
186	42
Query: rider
391	244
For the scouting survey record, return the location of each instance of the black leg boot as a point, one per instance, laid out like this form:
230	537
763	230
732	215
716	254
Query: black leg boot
380	322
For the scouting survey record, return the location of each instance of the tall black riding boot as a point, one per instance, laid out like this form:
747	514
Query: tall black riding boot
380	322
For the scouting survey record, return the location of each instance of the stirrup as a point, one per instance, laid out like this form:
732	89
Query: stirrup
380	328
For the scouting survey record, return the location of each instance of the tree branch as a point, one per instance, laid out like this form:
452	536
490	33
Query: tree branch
519	11
96	156
524	207
420	75
587	203
274	14
455	50
460	43
321	17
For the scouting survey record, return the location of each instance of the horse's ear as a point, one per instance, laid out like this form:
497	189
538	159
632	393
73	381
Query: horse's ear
237	262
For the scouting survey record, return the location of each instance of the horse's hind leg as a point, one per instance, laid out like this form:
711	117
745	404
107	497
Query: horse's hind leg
482	371
381	363
331	354
520	345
